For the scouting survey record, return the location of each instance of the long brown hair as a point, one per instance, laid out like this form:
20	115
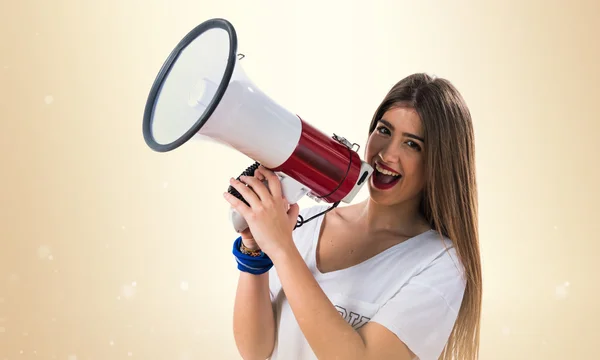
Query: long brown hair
449	201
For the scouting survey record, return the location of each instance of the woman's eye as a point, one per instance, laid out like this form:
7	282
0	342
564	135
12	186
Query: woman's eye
383	130
413	145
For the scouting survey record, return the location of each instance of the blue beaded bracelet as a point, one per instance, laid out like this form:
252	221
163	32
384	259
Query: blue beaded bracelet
251	264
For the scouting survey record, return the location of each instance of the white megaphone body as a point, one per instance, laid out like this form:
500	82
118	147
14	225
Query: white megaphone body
202	91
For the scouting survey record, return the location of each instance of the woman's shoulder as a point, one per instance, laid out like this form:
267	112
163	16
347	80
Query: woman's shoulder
442	259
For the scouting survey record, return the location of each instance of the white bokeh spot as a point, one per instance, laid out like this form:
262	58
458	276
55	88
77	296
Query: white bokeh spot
49	99
562	291
128	291
44	252
184	286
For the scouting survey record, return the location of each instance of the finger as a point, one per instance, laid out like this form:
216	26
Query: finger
257	186
237	204
293	212
247	193
272	180
258	175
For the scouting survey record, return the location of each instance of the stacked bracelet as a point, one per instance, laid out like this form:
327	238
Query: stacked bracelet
246	250
253	262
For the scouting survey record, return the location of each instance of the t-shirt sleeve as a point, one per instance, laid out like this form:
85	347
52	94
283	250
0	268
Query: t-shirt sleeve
423	312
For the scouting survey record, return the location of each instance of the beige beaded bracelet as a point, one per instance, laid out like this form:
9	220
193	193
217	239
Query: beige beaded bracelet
248	251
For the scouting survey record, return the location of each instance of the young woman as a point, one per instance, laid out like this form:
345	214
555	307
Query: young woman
397	276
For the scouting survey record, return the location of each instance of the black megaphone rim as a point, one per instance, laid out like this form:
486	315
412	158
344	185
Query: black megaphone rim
164	72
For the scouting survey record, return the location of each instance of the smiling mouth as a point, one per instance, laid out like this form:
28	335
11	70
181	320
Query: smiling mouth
384	179
385	171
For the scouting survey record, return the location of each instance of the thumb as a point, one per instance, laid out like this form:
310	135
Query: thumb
293	212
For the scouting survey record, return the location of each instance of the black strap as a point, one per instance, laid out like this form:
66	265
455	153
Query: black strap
301	220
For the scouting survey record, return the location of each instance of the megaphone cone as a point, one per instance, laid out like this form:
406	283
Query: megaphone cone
203	92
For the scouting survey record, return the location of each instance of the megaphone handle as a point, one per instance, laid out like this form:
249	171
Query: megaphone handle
292	191
237	220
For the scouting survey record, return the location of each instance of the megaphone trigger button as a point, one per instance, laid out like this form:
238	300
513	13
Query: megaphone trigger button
362	178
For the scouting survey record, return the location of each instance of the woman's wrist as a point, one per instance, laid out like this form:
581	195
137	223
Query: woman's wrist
255	262
250	244
283	249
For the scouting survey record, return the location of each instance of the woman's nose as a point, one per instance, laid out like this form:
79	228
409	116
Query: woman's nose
390	155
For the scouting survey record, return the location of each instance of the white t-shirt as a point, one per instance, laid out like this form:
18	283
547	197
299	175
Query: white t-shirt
414	289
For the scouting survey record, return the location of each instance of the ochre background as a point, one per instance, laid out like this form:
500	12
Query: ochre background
112	251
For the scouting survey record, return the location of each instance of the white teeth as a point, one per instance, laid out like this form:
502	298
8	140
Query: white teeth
386	172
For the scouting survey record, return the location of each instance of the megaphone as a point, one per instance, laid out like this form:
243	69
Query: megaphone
202	92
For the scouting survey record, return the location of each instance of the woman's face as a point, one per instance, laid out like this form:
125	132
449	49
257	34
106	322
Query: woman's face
396	149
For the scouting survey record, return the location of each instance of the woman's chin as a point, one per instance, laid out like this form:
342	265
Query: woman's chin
381	197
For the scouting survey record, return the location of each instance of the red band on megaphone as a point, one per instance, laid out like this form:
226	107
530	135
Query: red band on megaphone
326	166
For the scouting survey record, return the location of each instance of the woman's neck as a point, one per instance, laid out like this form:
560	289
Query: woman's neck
403	218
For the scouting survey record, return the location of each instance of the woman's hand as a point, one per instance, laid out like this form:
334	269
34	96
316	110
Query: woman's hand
270	218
